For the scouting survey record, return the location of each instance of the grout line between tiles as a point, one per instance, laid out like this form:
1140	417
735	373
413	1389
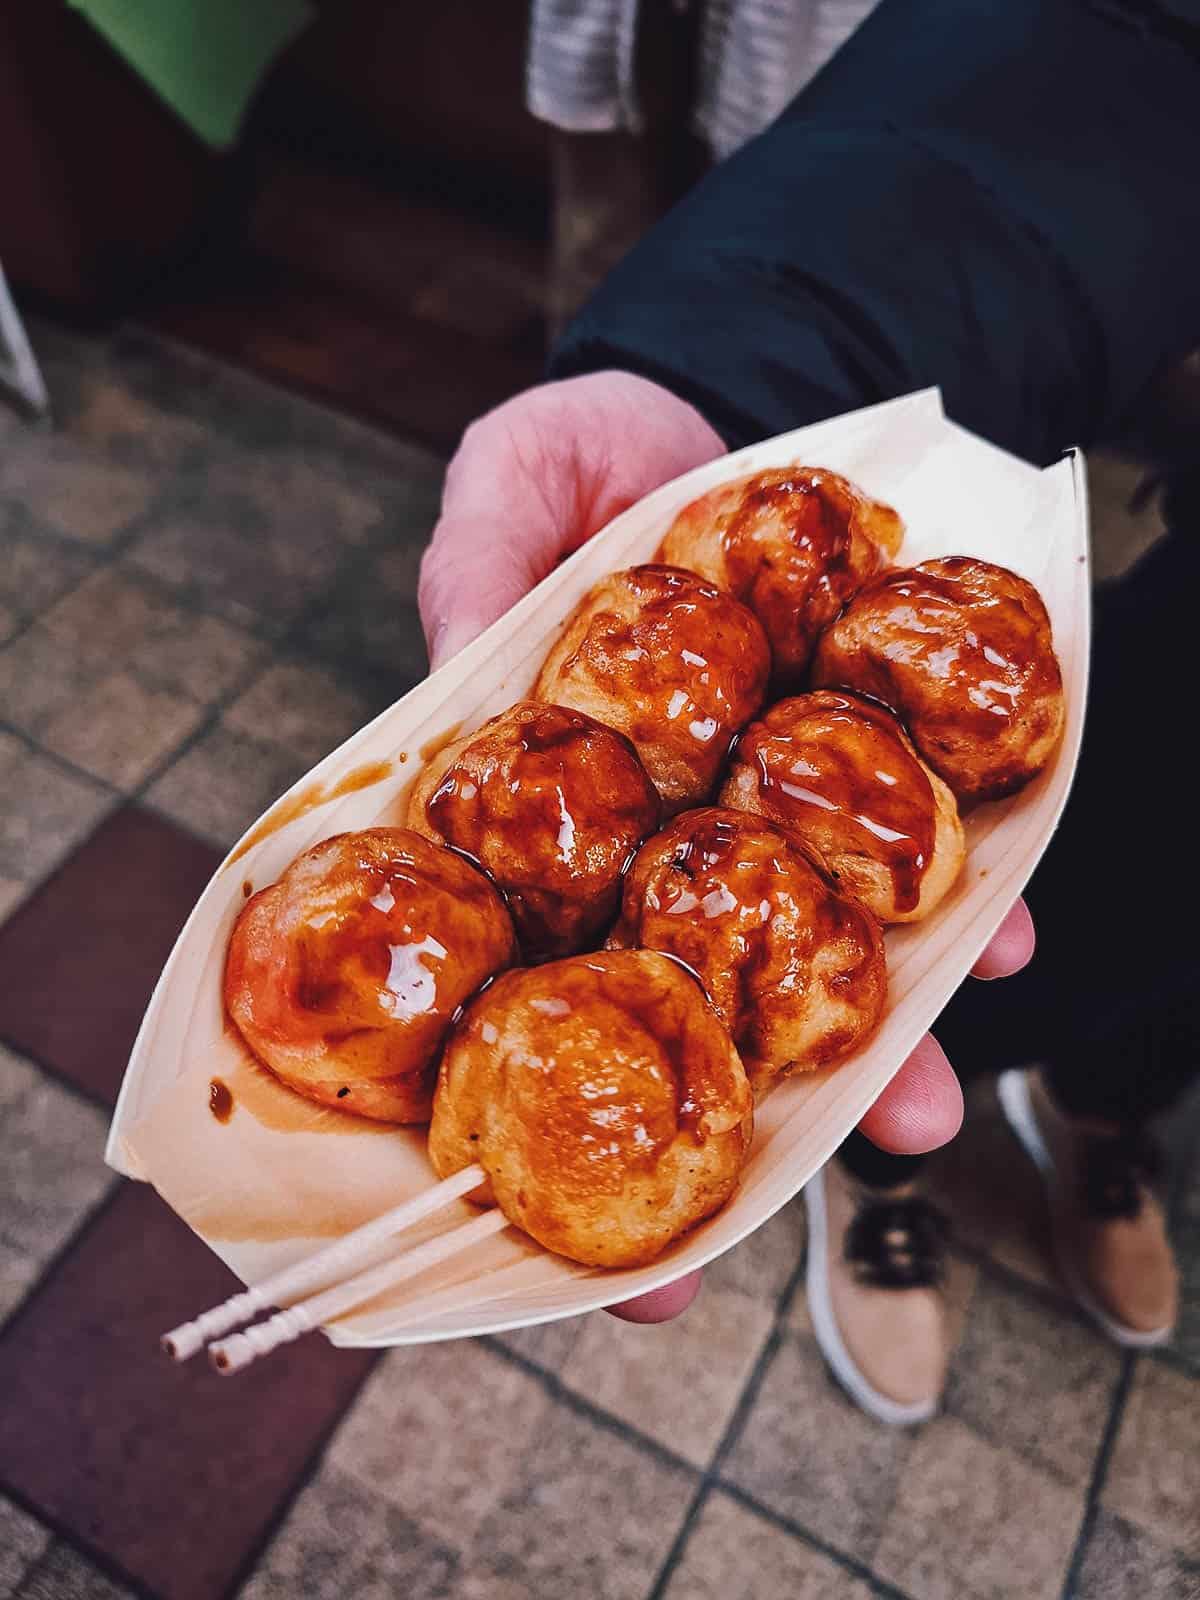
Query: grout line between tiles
211	719
59	1258
61	1535
94	1558
730	1433
27	624
1091	1507
35	748
355	560
1048	1296
1186	1366
713	1476
87	1097
291	641
557	1390
272	1524
877	1585
188	598
97	558
683	1534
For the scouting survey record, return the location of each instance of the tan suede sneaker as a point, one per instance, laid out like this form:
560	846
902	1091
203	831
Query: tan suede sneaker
1107	1224
873	1280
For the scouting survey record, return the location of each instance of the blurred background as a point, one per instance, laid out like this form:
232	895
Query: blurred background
266	288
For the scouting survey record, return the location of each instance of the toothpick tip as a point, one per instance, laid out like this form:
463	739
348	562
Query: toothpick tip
181	1343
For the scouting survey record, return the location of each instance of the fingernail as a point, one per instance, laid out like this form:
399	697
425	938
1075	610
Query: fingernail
436	635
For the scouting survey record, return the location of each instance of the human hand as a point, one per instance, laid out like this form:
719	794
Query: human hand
530	482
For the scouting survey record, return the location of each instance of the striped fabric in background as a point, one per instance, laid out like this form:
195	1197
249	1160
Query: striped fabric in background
755	56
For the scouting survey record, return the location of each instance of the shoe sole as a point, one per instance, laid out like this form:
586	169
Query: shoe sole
829	1339
1013	1093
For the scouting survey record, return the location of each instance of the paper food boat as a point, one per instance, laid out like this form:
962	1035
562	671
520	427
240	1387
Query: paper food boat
280	1177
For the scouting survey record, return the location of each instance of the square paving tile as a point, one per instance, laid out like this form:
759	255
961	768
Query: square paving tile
678	1382
201	657
64	1574
302	707
73	490
46	811
586	1513
1121	1563
807	1453
117	618
171	1473
123	395
473	1418
39	677
763	1264
223	783
549	1344
83	953
51	1155
1034	1379
287	490
104	619
341	1539
22	1541
1153	1477
34	570
120	730
732	1552
973	1522
759	1268
371	617
98	403
234	562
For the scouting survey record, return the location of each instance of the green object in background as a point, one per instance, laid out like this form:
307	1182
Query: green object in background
204	58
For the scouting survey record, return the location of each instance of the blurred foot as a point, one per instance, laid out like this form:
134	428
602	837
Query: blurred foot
1108	1225
875	1260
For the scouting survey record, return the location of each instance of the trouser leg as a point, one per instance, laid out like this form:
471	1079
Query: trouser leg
1110	1003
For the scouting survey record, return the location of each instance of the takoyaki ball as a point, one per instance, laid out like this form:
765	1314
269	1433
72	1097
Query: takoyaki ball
795	970
669	661
604	1100
961	651
842	773
342	977
794	543
552	804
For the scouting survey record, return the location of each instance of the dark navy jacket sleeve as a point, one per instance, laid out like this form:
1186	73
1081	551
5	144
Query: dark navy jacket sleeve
997	196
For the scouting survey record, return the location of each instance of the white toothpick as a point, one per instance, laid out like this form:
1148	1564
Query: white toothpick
333	1262
240	1349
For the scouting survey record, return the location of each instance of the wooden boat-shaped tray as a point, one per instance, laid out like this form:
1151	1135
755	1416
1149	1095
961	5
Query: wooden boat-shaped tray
271	1178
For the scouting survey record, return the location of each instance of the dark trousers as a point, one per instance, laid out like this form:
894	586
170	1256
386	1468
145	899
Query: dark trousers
1110	1003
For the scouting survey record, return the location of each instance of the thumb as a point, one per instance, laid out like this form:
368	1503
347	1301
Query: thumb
473	573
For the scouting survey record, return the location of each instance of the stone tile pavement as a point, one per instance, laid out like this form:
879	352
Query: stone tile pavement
204	585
